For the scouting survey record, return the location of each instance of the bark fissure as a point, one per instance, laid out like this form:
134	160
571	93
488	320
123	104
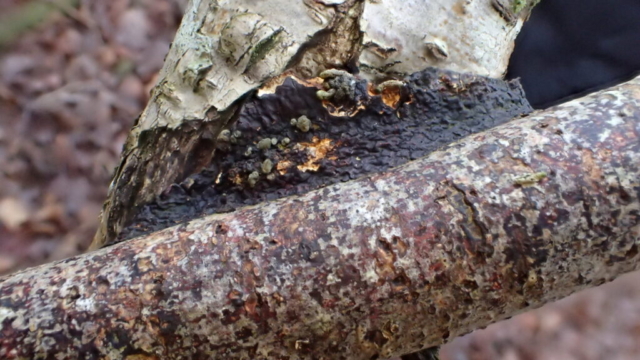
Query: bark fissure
472	225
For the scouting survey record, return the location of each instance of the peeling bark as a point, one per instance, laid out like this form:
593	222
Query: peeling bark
226	50
500	222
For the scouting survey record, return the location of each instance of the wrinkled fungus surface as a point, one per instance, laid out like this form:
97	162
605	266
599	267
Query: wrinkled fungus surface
433	109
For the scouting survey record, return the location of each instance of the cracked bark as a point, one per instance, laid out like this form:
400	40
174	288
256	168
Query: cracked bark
372	268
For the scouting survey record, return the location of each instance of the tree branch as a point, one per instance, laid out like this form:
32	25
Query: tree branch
500	222
224	51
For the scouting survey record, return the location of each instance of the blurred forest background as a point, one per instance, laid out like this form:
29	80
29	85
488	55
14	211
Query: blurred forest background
75	74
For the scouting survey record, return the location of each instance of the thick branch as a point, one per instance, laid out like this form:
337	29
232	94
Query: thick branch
505	220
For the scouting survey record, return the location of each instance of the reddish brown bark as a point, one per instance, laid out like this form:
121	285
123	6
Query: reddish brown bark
502	221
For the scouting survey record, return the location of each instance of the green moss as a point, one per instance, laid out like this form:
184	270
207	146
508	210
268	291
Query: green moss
530	179
520	5
29	15
262	48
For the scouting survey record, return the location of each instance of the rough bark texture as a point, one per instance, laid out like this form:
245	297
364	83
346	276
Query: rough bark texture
225	50
502	221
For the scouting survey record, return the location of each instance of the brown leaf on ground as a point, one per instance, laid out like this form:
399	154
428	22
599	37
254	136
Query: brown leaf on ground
69	91
602	323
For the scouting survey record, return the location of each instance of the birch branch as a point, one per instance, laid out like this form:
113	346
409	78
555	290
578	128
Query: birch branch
226	50
483	229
